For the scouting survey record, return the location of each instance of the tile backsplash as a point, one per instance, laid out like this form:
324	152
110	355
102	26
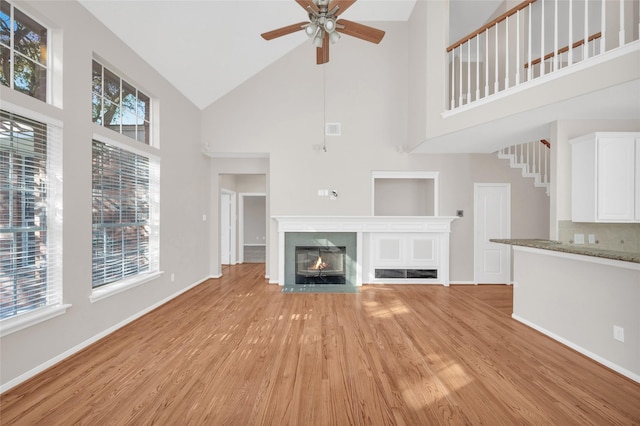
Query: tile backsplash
608	236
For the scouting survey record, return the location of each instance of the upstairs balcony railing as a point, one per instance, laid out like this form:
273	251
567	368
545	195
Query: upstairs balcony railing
536	38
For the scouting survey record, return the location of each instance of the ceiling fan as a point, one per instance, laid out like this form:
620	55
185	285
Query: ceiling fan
324	27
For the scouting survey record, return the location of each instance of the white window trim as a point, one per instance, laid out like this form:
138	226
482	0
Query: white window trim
152	154
112	289
54	228
22	321
153	104
52	96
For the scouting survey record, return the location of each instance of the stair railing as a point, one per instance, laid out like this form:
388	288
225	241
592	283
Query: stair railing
532	158
533	39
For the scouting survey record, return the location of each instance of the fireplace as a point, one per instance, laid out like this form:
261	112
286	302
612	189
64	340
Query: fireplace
422	243
320	265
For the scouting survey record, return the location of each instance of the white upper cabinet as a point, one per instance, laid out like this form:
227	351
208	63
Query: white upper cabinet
605	185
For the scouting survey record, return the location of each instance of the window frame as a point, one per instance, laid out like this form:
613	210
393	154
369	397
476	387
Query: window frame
127	144
55	305
46	64
98	100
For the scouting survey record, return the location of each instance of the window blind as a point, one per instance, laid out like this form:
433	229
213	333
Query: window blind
26	279
121	214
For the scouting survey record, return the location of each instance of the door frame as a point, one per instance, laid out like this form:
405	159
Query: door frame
507	215
232	225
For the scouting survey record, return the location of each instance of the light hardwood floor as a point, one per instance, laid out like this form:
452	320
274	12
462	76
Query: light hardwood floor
236	351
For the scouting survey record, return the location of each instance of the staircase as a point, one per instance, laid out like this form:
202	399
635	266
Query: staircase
532	158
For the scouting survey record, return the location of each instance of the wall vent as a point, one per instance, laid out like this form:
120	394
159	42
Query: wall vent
333	129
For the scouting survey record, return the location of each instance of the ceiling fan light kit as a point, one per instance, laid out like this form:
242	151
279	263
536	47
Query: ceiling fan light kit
324	27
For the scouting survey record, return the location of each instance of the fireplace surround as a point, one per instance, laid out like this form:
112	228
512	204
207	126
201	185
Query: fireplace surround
416	245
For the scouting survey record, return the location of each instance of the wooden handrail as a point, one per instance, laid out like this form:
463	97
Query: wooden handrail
564	49
499	19
545	143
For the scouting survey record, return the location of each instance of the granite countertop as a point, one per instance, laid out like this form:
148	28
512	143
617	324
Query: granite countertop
572	248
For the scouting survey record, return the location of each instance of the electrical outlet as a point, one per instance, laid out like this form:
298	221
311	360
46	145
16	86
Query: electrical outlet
618	333
592	238
173	277
578	238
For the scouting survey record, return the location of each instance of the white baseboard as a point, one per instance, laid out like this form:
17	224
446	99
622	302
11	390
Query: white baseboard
463	283
615	367
40	368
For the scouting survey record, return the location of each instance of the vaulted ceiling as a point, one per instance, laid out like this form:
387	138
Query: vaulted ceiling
205	48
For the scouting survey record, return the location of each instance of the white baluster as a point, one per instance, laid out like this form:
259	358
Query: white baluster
621	41
603	27
477	67
546	163
570	52
530	67
496	84
542	70
460	88
521	153
517	47
506	53
453	78
585	49
469	71
533	158
486	62
555	37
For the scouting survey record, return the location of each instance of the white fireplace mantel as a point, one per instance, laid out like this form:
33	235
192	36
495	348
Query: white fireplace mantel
439	226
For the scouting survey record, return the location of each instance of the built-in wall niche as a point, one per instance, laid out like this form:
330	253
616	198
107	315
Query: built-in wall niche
405	193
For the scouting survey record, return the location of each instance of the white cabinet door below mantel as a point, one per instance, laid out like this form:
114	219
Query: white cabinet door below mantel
408	251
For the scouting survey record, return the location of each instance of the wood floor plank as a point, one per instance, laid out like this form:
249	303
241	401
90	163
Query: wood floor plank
236	351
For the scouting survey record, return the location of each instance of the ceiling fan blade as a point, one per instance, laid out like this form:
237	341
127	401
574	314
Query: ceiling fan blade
283	31
343	5
322	53
363	32
308	3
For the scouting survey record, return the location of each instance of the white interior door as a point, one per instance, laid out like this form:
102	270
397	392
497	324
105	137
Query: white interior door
492	208
225	228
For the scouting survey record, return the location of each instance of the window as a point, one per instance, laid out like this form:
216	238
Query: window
23	52
120	106
125	192
29	246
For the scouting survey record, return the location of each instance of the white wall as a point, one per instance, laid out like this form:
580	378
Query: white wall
184	195
368	92
403	197
254	219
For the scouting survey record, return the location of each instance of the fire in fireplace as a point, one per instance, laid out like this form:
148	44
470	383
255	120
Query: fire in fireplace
320	265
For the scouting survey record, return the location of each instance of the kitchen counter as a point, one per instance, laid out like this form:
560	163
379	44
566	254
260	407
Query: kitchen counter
586	250
581	296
